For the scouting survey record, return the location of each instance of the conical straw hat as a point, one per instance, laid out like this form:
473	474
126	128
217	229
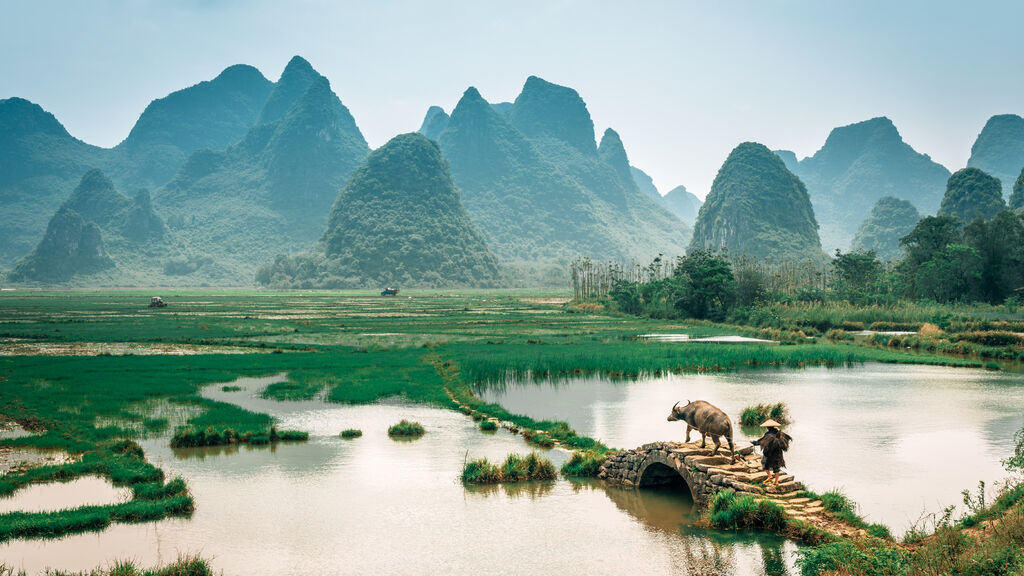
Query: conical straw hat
769	423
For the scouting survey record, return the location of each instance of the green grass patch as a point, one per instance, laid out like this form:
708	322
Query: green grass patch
230	388
729	511
515	468
584	463
351	433
183	566
488	425
407	429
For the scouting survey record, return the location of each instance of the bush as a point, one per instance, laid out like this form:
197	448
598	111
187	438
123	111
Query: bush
488	426
351	433
406	428
127	447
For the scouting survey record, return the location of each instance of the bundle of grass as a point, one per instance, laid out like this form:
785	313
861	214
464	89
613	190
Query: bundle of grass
515	468
351	433
488	425
230	388
183	566
407	429
758	413
583	463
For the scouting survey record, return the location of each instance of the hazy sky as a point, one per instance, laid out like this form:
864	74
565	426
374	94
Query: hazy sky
682	82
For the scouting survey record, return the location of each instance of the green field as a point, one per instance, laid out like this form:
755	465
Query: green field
90	371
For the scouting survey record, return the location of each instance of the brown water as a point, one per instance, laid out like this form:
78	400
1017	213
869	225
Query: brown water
376	506
902	441
89	490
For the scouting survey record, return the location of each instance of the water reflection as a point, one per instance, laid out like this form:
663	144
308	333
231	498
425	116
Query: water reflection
376	506
883	433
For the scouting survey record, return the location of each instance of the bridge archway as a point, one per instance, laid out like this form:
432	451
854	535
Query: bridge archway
658	471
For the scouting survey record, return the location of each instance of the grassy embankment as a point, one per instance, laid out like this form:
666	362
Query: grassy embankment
350	348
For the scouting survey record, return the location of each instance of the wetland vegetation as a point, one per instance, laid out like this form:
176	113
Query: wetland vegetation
342	347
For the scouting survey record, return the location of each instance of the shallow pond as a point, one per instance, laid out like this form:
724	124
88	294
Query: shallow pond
376	506
902	441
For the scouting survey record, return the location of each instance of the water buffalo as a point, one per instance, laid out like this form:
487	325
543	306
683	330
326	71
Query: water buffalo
706	419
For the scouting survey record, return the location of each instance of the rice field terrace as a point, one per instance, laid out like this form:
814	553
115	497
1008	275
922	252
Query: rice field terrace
117	390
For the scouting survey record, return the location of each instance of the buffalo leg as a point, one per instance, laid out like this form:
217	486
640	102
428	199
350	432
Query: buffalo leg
703	439
688	429
732	450
718	444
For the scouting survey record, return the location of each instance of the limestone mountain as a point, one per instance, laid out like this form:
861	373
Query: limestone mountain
296	78
684	204
758	208
40	163
434	122
971	194
645	183
789	159
891	219
94	231
859	164
999	149
70	246
540	194
213	114
546	110
398	221
272	191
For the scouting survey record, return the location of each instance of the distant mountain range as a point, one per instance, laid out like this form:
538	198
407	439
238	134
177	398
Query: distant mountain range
540	189
238	174
858	165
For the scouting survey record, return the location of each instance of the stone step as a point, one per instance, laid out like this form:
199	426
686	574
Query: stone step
787	487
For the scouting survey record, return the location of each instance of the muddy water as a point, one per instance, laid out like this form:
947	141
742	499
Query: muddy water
54	496
376	506
900	440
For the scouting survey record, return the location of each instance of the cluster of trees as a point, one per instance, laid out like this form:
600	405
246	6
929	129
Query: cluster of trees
944	261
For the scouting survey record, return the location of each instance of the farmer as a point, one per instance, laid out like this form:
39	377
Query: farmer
773	444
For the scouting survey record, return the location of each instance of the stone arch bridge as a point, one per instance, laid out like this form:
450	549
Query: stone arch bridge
668	463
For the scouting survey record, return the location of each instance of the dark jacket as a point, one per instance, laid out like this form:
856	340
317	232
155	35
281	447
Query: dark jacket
773	444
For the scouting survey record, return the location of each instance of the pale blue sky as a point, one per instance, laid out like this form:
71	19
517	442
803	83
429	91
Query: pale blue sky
682	82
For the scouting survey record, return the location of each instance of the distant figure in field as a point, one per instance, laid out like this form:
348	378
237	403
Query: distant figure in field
773	444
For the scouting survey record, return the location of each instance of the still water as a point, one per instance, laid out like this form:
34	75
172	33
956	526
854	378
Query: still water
376	506
902	441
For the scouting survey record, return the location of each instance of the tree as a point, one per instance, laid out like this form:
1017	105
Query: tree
953	273
1017	197
708	285
855	272
1000	243
931	234
970	194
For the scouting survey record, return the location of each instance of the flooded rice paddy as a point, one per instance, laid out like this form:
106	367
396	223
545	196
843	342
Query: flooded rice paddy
899	439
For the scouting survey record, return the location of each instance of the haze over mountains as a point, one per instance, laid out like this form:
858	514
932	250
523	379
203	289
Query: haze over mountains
236	173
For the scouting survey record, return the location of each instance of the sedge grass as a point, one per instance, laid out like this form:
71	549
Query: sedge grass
406	429
515	468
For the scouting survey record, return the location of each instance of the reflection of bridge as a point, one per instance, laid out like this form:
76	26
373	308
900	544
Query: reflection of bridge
661	463
704	475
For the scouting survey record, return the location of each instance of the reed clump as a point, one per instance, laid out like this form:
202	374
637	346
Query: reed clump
351	433
584	463
407	429
515	468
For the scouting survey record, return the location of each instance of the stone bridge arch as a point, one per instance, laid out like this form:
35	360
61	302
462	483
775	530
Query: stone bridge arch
703	474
